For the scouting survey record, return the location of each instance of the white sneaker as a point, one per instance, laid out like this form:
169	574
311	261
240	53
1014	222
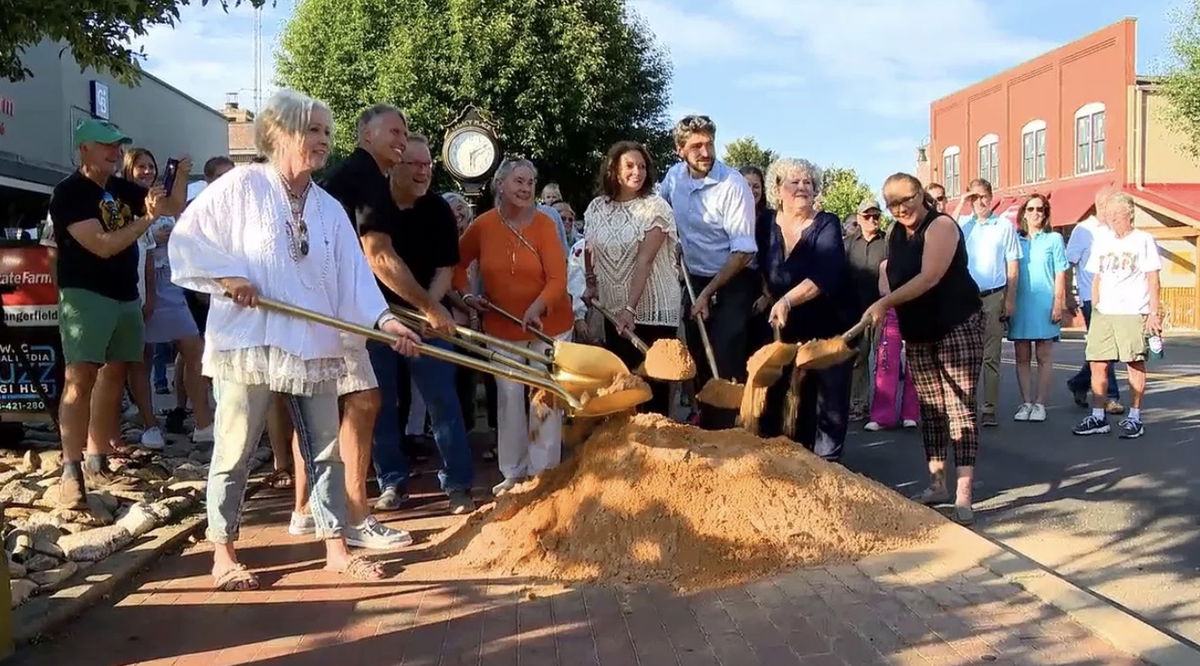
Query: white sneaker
374	535
1023	412
909	423
390	499
301	524
505	486
153	439
872	427
1037	413
203	435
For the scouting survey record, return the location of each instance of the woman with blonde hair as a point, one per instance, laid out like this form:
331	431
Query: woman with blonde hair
269	229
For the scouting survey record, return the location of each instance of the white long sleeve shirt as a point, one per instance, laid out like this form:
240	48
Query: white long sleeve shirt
239	227
577	279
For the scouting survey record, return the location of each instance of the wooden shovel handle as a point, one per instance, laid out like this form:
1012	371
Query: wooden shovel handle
639	343
537	332
708	349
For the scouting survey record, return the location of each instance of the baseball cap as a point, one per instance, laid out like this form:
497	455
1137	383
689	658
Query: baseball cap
869	204
100	131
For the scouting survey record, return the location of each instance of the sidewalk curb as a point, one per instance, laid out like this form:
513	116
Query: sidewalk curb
42	615
1121	628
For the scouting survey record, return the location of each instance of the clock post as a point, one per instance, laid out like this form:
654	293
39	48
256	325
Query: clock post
471	151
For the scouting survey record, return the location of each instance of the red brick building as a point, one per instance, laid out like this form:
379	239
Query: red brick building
1066	124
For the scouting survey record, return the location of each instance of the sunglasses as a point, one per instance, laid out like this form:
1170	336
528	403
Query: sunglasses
940	199
1035	209
871	216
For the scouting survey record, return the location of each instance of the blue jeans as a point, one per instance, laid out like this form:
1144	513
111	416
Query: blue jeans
163	353
240	418
1082	381
435	381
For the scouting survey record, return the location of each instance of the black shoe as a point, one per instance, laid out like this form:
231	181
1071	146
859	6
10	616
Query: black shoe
1131	429
1093	426
174	421
1080	395
988	420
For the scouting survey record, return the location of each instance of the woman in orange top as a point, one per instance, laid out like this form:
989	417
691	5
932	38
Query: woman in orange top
523	270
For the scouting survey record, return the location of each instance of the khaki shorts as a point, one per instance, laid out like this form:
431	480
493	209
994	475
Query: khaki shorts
359	374
98	329
1117	338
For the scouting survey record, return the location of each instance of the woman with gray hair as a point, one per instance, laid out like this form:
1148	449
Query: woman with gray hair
522	270
267	229
805	272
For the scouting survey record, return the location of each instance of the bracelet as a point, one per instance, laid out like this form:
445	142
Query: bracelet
631	310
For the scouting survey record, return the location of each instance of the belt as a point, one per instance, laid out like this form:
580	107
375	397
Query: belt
988	292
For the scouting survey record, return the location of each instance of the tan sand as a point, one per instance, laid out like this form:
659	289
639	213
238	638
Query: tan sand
669	360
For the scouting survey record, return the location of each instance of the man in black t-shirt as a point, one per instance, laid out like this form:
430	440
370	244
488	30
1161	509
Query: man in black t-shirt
413	249
97	220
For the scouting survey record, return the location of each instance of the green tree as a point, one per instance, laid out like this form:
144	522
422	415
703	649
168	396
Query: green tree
745	151
1181	85
564	79
98	32
842	191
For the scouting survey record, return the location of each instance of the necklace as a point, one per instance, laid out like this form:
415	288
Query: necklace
297	228
521	240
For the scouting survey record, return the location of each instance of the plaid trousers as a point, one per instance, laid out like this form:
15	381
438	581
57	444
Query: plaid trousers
946	374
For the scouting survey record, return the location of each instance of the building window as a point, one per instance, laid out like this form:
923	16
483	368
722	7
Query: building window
989	159
1033	152
950	174
1089	138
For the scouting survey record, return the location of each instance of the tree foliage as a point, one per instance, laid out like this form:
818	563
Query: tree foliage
1181	85
98	32
745	151
564	79
842	191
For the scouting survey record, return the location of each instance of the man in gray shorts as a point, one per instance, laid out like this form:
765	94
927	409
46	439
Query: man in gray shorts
97	220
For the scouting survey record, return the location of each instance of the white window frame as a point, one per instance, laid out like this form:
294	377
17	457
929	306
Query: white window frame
1033	152
989	159
951	174
1090	145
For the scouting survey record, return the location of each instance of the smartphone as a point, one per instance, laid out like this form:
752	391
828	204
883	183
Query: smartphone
169	175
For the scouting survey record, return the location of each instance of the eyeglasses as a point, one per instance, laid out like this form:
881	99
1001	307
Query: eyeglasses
901	203
417	165
941	199
1035	209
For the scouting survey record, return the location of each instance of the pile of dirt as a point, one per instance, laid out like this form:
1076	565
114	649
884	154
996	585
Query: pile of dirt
646	499
722	394
668	360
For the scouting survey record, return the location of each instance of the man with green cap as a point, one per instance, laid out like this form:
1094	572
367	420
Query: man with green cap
97	218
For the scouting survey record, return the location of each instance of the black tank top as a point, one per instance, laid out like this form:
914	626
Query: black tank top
955	297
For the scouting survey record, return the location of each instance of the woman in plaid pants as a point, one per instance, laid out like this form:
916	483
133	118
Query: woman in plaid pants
926	279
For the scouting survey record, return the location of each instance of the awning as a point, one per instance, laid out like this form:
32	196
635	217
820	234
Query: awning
1069	205
1009	209
1181	201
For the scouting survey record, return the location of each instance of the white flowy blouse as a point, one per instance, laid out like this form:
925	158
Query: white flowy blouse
238	227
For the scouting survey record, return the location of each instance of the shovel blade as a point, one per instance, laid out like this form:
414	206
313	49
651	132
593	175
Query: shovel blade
721	394
615	402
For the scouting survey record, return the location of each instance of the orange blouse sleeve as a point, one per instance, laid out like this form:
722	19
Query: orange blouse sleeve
468	253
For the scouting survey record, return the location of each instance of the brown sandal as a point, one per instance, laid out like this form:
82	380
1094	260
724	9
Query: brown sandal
237	579
280	479
360	568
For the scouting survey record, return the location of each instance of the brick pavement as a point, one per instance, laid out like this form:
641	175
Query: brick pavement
919	607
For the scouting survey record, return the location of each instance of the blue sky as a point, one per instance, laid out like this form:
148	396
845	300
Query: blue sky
845	82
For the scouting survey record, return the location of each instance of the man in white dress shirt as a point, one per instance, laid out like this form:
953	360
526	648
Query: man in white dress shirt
714	211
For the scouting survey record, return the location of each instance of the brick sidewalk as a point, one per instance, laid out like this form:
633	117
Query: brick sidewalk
901	608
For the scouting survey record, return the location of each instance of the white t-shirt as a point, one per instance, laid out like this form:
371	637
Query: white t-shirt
145	244
1079	251
1122	264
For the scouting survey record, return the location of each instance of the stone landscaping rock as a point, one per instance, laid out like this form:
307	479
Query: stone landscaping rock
10	475
139	520
43	518
108	499
190	472
16	570
48	546
31	461
201	456
150	473
188	487
21	491
19	545
135	495
99	510
170	508
21	590
43	532
95	545
40	562
76	528
52	578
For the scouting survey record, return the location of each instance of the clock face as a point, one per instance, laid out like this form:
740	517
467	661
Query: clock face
471	153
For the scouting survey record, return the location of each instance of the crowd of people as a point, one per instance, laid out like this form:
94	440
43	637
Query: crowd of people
744	256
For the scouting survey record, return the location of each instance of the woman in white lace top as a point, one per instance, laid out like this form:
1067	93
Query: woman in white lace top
268	229
631	257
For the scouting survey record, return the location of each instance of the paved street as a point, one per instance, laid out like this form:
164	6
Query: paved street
1121	518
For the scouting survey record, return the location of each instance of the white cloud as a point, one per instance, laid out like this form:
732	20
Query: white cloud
693	37
771	81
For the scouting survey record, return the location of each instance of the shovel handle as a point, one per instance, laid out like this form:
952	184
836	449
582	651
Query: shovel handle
537	332
708	350
462	332
778	332
639	343
423	349
855	331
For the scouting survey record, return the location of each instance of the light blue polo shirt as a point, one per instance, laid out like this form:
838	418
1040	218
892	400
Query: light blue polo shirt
714	215
991	244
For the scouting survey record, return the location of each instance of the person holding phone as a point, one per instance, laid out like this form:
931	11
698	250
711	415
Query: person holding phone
992	257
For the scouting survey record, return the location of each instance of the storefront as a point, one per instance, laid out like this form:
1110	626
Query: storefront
37	117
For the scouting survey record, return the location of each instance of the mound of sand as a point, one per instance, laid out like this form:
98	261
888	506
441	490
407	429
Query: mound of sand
646	499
